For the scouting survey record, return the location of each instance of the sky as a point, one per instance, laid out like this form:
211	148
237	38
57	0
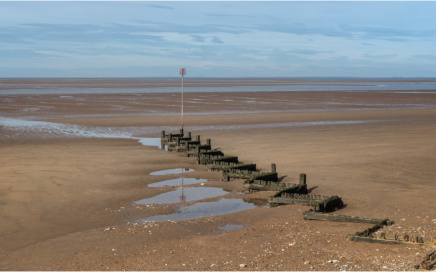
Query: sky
217	39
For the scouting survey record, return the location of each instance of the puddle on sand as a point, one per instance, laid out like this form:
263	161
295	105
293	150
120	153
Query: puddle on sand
150	142
177	182
49	129
172	171
204	209
230	227
185	194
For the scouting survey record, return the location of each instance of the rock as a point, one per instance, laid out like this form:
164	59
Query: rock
307	262
335	261
242	265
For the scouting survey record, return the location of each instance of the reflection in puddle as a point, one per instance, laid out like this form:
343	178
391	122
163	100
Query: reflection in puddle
205	209
150	142
258	201
172	171
177	182
230	227
183	194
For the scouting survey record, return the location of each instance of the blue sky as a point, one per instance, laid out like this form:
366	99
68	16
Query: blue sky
217	39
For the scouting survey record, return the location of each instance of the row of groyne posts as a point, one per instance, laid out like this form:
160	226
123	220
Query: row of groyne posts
286	193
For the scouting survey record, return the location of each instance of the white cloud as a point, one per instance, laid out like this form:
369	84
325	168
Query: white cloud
220	38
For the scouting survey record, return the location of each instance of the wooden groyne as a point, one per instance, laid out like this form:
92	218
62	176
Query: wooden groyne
215	159
287	193
255	180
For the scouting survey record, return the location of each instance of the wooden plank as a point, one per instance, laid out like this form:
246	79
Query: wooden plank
311	215
287	200
355	238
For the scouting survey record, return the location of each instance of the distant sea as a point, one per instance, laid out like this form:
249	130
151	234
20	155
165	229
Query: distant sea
363	85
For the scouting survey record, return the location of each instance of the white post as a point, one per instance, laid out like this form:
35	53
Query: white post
182	72
182	100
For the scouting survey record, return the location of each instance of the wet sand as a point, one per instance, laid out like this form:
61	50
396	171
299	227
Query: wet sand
67	202
65	83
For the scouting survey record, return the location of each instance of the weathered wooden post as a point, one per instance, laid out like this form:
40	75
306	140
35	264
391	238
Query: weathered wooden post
181	132
208	141
162	134
302	178
170	138
189	135
273	167
198	138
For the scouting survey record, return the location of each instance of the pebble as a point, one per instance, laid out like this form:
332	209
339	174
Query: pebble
307	262
242	265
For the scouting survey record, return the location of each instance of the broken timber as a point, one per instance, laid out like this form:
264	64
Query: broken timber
319	202
269	182
428	263
312	215
222	162
240	171
395	241
368	236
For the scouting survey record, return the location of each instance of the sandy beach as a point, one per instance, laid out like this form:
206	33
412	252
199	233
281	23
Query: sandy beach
67	198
